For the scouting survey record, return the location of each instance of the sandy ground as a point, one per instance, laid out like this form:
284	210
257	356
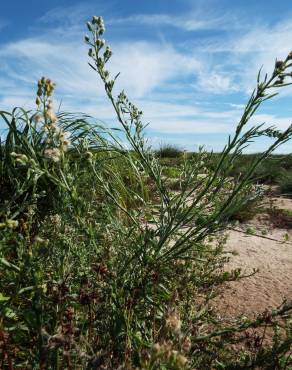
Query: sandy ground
272	284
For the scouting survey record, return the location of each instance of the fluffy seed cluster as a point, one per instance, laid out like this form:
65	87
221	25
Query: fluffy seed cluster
173	322
53	154
57	141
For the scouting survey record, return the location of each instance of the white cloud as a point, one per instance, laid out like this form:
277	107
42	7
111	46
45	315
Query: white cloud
190	23
216	83
281	123
243	53
73	14
144	66
155	75
199	17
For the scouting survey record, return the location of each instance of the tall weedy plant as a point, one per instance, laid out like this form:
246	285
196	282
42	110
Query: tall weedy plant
177	227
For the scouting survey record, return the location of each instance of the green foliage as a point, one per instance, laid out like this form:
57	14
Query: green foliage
269	171
172	171
101	265
285	183
251	207
169	151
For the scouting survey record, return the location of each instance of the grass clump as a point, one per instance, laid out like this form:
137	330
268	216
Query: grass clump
118	271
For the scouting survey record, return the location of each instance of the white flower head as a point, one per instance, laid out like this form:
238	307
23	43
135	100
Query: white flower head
50	114
53	154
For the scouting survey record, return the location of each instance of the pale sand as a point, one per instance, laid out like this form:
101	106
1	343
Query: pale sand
272	284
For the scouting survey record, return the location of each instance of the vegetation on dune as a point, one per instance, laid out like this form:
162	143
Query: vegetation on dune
102	266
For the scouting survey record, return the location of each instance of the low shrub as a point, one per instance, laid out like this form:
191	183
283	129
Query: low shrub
280	218
285	183
169	151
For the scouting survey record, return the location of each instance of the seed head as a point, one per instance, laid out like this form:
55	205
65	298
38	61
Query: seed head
173	322
66	142
50	114
95	19
187	344
52	154
56	219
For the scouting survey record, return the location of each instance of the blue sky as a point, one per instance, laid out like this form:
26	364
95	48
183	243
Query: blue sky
189	65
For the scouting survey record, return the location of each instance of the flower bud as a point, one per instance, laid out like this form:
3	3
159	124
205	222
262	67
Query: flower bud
101	30
95	19
86	38
38	101
279	64
89	26
12	224
107	54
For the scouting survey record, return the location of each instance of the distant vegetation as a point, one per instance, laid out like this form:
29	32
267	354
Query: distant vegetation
169	151
109	259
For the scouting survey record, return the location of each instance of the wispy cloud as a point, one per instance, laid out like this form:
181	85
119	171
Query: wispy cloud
183	88
196	19
69	15
192	23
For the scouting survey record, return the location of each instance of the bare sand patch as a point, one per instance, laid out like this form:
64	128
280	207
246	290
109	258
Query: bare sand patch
273	258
